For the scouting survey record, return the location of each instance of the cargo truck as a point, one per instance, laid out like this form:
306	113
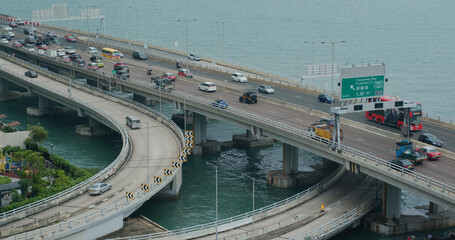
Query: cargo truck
404	150
323	130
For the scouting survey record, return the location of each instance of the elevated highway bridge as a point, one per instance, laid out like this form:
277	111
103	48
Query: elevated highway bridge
365	149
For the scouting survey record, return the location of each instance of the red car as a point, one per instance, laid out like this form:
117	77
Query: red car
12	24
431	152
65	59
70	38
170	76
185	72
120	64
17	44
44	47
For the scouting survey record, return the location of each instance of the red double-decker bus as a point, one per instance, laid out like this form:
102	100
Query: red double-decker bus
394	117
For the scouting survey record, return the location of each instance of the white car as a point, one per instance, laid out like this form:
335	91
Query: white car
11	34
41	52
238	77
194	57
207	86
7	28
266	89
30	50
4	41
120	54
70	50
92	50
60	52
99	188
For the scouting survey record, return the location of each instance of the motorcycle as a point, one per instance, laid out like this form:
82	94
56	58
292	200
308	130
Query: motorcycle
177	64
149	71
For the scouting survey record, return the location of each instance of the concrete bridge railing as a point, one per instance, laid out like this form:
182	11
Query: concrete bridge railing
67	194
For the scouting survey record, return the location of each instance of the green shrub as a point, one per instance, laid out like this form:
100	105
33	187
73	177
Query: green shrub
4	180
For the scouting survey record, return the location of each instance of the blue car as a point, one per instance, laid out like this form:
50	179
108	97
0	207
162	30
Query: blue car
220	104
325	98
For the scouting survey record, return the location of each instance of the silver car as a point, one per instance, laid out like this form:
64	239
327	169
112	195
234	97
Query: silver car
266	89
99	188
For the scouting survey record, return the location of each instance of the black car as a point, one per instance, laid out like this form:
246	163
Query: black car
122	74
7	36
249	97
139	55
74	56
430	139
31	74
56	41
95	57
398	164
78	62
326	98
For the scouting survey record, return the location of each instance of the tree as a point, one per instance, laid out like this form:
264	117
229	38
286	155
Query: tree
37	133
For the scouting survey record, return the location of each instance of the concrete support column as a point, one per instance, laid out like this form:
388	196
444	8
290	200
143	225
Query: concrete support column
3	86
93	122
290	159
199	128
391	202
43	102
435	208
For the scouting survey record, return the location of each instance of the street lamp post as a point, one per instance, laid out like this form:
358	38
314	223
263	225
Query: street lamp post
312	63
148	175
216	198
333	53
88	25
253	199
222	56
135	14
187	23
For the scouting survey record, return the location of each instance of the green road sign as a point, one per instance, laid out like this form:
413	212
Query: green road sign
362	87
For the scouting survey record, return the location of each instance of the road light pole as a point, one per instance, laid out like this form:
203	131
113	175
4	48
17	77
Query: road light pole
88	25
187	34
312	63
333	54
148	175
253	199
216	198
135	14
222	55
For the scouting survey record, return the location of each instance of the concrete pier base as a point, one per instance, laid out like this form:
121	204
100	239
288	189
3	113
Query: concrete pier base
409	223
211	146
38	112
278	178
244	141
86	130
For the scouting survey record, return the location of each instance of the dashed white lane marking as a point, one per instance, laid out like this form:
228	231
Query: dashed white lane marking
91	206
298	97
115	194
431	164
360	139
104	200
271	111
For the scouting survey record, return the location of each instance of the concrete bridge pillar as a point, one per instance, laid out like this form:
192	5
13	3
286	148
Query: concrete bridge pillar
43	102
199	128
290	159
94	128
391	202
435	208
5	94
42	109
252	138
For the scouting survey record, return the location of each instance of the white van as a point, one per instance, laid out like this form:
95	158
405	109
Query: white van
133	122
239	77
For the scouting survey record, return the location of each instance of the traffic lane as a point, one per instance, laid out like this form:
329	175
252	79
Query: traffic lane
443	167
